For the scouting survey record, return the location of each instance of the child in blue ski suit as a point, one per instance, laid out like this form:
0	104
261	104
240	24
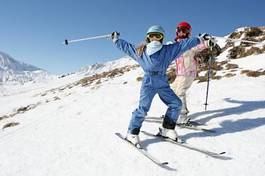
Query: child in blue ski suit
154	60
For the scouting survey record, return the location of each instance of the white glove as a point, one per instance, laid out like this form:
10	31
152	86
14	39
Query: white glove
115	36
207	39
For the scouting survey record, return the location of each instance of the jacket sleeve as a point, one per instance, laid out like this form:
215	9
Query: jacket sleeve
189	55
199	47
127	48
178	48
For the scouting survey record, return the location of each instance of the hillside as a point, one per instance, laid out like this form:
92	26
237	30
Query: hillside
67	126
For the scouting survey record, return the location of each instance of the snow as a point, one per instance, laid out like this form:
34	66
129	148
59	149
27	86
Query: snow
74	134
221	41
252	62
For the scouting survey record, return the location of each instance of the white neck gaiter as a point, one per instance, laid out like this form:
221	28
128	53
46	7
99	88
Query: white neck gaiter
153	47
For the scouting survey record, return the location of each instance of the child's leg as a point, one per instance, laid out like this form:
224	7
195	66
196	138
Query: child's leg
174	104
181	86
146	96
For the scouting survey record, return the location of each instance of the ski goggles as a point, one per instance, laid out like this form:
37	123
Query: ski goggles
183	30
158	36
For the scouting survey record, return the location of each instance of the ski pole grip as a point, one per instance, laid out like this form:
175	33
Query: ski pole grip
66	42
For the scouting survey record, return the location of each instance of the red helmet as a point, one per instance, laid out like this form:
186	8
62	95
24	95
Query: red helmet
186	28
184	24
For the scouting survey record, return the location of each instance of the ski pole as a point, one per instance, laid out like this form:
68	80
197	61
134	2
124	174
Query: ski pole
208	79
66	42
208	83
236	40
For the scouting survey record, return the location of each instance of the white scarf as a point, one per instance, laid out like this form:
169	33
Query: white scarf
153	47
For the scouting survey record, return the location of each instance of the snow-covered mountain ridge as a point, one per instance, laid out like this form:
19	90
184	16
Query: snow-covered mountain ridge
13	71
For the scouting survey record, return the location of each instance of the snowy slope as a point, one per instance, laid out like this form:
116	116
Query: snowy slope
68	129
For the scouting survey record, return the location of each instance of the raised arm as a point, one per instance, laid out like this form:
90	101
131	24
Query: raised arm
124	46
127	48
178	48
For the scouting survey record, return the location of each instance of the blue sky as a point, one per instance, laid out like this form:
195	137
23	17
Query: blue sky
32	30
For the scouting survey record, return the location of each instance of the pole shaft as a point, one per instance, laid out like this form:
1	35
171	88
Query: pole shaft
88	38
208	83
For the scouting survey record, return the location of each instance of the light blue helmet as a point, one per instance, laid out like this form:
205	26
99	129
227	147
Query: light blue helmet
156	29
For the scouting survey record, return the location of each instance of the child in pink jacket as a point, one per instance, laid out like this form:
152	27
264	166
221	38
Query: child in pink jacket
186	70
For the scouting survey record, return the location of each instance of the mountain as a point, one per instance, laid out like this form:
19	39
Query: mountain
107	66
67	127
13	71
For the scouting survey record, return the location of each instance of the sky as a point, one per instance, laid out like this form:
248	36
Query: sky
32	31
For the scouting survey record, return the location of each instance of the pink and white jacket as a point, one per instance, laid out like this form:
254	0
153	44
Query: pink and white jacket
186	65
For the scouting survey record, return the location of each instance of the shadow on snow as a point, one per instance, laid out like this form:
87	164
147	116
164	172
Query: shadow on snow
227	126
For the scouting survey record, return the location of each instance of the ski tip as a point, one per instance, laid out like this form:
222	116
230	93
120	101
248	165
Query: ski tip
158	135
119	135
209	130
181	141
164	163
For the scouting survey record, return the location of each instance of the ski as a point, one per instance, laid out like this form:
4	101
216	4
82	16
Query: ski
190	147
198	127
144	152
191	126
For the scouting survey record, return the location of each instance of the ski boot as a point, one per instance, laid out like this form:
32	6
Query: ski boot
134	139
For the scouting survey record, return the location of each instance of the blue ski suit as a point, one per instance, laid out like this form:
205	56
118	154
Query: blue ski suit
155	80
